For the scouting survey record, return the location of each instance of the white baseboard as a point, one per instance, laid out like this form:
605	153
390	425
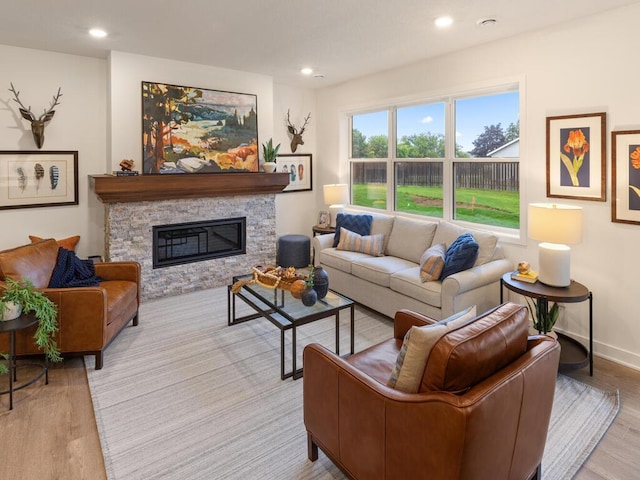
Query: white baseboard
603	350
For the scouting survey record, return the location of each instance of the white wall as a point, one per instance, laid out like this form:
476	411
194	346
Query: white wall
296	211
79	124
582	67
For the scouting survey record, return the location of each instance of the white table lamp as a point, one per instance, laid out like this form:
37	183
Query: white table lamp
555	226
336	195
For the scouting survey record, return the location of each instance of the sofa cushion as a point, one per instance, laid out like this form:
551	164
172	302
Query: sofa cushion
34	262
69	243
416	347
461	255
407	282
432	263
378	270
378	360
447	233
340	259
471	353
410	238
382	224
369	244
360	224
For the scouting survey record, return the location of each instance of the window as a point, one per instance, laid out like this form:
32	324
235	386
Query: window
455	158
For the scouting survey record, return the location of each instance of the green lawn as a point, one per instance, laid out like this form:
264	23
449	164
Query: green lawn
488	207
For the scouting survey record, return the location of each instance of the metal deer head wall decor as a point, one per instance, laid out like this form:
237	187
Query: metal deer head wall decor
37	124
296	136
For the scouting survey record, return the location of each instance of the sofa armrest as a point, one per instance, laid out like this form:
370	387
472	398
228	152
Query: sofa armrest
405	319
118	271
475	277
320	242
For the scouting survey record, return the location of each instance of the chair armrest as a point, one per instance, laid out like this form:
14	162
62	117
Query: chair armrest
118	271
320	242
405	319
475	277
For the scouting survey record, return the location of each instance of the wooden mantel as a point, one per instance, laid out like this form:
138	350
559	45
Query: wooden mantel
139	188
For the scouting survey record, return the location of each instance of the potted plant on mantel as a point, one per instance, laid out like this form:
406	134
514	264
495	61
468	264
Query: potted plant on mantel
23	294
269	154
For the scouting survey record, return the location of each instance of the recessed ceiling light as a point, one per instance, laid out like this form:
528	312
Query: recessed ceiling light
306	71
487	22
443	22
97	33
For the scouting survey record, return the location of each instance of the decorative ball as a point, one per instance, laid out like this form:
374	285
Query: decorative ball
524	267
297	288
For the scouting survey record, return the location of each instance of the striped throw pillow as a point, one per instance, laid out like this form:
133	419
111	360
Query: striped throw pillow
369	244
432	263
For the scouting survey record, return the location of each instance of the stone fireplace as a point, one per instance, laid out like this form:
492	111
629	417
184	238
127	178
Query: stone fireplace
129	224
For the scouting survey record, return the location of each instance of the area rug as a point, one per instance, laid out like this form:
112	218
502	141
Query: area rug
184	396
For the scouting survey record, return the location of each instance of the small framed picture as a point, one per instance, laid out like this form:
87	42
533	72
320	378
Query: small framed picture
324	217
576	157
300	171
625	170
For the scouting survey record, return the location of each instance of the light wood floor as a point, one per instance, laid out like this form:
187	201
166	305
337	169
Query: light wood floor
51	432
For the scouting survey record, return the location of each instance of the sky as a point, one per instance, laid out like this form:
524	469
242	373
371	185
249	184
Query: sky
472	115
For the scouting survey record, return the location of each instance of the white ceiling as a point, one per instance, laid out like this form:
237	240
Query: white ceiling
342	39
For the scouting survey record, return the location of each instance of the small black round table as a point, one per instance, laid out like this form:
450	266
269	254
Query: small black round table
573	354
25	320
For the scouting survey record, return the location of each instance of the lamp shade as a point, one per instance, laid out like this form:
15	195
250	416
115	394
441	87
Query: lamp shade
555	223
336	194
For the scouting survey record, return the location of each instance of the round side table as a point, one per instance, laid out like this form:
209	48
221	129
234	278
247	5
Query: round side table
573	354
11	327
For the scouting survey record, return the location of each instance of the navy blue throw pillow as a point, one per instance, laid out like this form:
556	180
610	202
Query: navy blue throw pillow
360	224
460	255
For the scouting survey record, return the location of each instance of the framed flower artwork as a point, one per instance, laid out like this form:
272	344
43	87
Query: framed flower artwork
576	157
625	170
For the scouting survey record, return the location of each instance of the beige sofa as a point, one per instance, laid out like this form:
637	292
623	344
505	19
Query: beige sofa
392	282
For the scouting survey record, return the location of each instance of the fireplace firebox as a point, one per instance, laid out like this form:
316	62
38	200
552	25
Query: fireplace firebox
180	243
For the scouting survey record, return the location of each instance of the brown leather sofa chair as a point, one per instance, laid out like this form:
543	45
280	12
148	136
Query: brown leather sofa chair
89	318
482	410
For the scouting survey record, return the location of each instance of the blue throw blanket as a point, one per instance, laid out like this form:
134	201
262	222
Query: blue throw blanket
71	271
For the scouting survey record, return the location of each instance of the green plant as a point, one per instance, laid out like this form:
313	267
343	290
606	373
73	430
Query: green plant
45	310
269	152
543	321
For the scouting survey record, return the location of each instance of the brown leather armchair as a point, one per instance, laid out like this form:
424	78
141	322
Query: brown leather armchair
482	410
89	318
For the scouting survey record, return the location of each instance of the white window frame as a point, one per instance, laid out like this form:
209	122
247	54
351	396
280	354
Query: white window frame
510	235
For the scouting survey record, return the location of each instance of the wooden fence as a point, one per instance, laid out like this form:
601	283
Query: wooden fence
476	175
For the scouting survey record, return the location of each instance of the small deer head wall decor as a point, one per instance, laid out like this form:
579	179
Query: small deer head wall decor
296	138
37	124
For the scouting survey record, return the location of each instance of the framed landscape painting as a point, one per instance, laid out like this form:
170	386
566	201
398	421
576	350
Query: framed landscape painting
197	130
625	170
299	168
576	157
38	178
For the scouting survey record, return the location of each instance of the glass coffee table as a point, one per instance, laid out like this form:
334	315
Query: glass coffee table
287	313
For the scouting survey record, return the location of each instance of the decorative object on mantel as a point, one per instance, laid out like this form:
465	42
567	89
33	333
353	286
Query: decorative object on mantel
299	167
269	154
37	124
38	179
296	137
208	131
126	168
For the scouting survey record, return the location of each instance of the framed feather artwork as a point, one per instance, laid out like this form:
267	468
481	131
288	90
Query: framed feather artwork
31	179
